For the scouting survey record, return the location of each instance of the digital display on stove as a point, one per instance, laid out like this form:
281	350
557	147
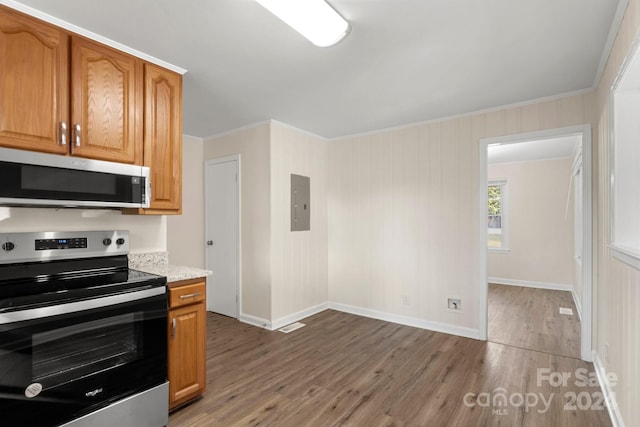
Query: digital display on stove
48	244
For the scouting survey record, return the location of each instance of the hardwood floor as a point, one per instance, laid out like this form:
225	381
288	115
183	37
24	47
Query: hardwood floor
530	318
346	370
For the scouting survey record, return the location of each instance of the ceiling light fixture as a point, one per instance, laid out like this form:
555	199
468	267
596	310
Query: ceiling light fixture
314	19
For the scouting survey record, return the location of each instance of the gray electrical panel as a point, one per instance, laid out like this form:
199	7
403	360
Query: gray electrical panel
300	203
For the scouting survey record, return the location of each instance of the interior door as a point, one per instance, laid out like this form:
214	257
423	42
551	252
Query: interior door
222	250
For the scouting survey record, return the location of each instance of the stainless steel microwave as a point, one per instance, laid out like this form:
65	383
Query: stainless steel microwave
29	178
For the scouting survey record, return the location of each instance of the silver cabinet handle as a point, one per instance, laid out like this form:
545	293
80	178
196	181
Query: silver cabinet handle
77	129
63	133
197	294
173	328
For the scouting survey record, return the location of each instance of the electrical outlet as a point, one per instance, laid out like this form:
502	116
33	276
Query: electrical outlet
454	304
406	300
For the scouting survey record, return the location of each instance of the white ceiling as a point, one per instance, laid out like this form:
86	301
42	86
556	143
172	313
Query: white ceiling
404	61
554	148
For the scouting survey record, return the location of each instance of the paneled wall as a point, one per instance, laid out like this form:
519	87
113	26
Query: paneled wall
185	233
253	146
539	223
298	258
283	272
403	211
617	295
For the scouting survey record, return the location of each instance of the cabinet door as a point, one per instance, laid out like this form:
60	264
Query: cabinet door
34	83
187	335
106	108
163	136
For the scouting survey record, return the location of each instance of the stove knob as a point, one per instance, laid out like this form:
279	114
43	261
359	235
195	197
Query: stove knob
120	241
106	241
8	246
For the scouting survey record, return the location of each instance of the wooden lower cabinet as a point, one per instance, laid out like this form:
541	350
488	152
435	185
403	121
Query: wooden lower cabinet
187	341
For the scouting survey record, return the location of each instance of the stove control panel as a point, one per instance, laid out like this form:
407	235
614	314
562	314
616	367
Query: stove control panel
45	246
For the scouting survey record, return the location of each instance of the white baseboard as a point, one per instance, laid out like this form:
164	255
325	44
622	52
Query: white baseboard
283	321
577	302
609	394
294	317
446	328
531	284
255	321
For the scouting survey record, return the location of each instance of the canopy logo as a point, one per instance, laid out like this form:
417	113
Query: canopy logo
500	400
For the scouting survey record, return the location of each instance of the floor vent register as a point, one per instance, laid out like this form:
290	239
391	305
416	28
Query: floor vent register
292	327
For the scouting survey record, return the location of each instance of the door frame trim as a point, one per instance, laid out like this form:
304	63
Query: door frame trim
586	353
226	159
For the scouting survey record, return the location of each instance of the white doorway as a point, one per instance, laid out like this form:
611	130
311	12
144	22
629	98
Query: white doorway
583	254
222	219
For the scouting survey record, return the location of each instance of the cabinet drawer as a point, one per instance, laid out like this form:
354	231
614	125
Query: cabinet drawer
186	294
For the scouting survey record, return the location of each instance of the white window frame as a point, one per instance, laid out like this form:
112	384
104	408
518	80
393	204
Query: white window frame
504	221
622	147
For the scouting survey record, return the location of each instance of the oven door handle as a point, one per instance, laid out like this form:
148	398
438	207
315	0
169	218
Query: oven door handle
73	307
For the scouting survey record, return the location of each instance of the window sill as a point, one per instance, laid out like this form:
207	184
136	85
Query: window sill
626	255
498	250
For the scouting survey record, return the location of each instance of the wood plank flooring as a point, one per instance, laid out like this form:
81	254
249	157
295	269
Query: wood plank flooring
346	370
530	318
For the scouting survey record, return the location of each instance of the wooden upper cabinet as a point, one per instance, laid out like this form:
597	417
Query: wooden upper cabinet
106	109
163	137
63	93
34	83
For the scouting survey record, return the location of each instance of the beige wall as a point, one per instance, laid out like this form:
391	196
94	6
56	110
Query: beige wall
403	205
147	233
283	272
540	226
298	259
185	233
253	146
617	292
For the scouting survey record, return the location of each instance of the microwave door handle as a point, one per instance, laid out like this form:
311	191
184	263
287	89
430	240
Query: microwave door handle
73	307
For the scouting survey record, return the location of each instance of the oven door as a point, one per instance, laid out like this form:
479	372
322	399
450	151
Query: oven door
63	361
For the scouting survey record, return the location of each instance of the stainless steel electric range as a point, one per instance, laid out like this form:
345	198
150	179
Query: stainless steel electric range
83	339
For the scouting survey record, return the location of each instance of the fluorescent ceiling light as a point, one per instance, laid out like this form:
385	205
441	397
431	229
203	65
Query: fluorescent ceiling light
314	19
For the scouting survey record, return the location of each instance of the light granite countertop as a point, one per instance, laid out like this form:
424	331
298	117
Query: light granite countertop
158	263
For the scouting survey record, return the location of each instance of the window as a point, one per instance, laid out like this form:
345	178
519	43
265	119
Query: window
497	215
624	198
